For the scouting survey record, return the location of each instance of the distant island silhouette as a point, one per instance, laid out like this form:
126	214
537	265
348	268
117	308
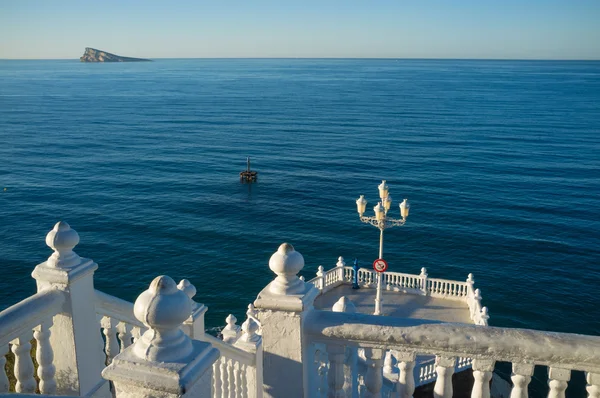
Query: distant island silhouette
94	55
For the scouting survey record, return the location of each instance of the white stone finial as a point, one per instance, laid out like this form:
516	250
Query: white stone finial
163	308
477	294
320	271
62	239
231	321
344	305
470	279
286	263
187	287
423	272
484	316
340	262
249	329
302	278
251	312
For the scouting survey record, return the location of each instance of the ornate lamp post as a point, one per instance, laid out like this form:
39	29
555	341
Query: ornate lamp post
381	221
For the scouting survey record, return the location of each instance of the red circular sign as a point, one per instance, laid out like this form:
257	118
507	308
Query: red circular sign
380	265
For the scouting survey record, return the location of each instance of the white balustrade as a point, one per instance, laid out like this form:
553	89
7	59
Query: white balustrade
561	352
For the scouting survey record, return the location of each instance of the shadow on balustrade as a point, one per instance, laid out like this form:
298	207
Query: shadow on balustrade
274	384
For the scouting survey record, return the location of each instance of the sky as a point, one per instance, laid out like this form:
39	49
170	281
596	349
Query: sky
509	29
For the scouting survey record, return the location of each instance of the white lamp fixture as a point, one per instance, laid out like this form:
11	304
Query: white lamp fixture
381	221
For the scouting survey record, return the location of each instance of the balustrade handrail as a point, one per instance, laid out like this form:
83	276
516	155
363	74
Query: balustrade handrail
116	308
229	351
563	350
29	313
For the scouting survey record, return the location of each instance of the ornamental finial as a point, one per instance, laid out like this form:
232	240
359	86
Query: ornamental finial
163	308
286	263
62	239
344	305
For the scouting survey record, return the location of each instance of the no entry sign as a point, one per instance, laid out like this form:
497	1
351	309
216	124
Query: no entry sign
380	265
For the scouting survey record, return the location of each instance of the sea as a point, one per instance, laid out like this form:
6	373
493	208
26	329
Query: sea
500	161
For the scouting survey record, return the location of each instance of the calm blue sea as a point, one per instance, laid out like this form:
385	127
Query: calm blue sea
499	159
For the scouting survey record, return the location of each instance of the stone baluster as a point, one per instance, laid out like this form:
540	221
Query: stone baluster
224	377
321	276
163	362
4	384
23	369
231	378
335	377
217	387
557	380
374	376
423	277
124	335
340	269
136	333
388	363
231	332
484	317
109	328
521	376
76	337
444	367
282	306
482	373
194	325
250	341
406	378
321	374
593	387
45	358
350	385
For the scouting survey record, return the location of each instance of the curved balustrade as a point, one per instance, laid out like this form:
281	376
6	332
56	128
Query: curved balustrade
19	324
454	344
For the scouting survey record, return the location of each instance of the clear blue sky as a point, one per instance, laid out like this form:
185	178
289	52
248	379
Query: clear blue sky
522	29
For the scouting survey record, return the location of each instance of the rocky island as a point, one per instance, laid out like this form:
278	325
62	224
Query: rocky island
94	55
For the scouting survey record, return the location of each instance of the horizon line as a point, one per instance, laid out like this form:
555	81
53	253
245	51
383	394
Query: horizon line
329	58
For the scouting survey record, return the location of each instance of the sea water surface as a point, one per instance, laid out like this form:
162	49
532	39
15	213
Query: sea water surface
499	159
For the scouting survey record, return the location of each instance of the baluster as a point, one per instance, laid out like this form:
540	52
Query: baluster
231	378
388	363
218	392
593	387
224	378
335	377
482	373
124	335
406	378
3	378
521	376
321	374
238	379
243	381
112	343
444	367
374	376
557	380
136	333
45	358
320	275
23	370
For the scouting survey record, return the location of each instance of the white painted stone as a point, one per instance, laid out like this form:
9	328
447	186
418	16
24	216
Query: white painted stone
164	362
163	308
282	306
75	338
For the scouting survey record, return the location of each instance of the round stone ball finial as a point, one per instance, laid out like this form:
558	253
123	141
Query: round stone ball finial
286	263
62	239
163	308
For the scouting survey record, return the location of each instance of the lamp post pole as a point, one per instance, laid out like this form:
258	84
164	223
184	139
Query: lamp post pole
381	221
